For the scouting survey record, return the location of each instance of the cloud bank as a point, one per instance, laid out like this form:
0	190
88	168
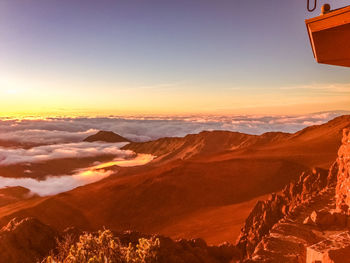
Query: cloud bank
68	130
58	184
60	151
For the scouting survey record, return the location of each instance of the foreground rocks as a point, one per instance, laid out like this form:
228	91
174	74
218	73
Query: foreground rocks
267	213
308	222
25	241
288	239
328	219
343	185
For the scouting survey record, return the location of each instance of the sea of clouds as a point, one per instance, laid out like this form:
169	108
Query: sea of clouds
57	138
9	156
70	130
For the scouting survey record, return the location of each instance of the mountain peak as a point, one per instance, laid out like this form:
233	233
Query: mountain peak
106	136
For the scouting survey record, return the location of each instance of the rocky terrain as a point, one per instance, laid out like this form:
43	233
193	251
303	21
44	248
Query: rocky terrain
307	222
342	190
267	213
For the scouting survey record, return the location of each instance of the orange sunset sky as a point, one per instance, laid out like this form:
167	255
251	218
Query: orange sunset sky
171	58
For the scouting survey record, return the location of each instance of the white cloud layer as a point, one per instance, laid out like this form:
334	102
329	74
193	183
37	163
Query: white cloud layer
63	130
58	184
59	151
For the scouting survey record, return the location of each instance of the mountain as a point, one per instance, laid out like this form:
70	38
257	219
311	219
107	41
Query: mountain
105	136
319	140
201	185
203	144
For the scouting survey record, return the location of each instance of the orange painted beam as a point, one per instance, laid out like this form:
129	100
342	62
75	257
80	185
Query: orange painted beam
330	37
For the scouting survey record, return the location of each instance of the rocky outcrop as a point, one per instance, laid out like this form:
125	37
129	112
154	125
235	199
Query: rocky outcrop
343	185
289	237
327	219
25	241
307	222
267	213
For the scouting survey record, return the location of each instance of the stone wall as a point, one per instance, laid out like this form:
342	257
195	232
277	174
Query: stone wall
343	182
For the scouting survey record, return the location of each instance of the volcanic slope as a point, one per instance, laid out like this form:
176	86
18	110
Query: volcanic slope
211	179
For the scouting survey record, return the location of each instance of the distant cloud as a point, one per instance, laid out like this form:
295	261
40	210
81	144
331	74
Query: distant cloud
333	88
68	130
59	151
54	184
160	86
47	137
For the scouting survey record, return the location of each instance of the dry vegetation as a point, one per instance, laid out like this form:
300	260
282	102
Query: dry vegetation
104	248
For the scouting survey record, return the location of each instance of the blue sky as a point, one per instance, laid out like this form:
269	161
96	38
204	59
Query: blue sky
163	57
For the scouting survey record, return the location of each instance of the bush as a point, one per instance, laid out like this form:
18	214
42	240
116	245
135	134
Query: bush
104	248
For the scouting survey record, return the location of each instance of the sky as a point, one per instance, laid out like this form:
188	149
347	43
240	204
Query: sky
162	57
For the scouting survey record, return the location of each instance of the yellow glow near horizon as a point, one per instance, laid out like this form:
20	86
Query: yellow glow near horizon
140	159
32	98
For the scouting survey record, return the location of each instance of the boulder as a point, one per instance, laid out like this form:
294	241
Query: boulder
25	241
323	218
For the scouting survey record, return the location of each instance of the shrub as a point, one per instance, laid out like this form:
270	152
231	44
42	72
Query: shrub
104	248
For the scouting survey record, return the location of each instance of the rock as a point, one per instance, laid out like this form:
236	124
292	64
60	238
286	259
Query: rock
308	221
285	209
329	219
267	213
322	218
340	219
333	173
340	255
335	249
343	176
258	237
25	241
